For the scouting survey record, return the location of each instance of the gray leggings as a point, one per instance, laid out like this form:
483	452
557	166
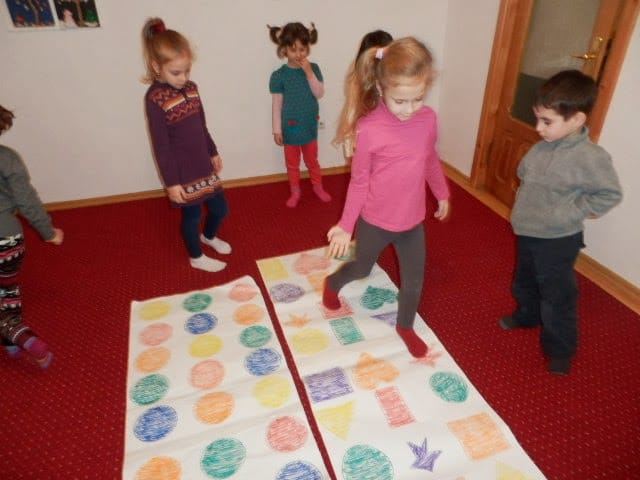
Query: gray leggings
411	251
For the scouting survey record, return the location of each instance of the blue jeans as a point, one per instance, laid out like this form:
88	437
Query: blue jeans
546	291
217	209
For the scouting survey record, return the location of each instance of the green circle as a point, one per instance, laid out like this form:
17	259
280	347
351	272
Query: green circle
255	336
223	458
150	389
449	386
197	302
364	462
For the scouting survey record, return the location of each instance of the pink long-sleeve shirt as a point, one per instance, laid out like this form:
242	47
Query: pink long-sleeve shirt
394	161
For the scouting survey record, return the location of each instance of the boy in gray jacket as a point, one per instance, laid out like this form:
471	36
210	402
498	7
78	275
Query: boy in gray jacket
564	179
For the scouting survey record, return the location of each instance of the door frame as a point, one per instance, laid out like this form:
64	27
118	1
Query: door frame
509	27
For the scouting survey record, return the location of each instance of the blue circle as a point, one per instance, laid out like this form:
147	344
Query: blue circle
262	361
200	323
155	424
299	471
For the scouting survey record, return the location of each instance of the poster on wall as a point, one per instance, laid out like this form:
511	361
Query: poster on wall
33	15
77	14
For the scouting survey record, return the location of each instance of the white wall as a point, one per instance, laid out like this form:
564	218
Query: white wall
80	124
79	102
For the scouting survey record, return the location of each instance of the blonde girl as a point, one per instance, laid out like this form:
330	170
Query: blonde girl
186	155
395	136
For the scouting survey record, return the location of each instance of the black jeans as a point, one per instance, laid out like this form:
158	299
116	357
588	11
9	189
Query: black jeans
546	291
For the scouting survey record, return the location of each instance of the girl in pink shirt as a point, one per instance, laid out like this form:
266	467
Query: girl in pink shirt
395	136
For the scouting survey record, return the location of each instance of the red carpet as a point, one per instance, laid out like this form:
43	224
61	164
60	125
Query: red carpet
67	422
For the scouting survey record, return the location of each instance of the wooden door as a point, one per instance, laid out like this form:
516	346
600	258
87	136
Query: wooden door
534	40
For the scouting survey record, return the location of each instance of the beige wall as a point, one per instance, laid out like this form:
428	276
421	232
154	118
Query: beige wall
80	122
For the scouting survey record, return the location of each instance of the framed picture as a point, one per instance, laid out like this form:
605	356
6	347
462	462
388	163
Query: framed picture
31	14
76	14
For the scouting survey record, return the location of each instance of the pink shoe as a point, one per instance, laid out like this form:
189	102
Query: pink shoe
294	198
321	193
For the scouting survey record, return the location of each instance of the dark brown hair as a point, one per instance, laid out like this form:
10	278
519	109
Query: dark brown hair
377	38
286	36
6	119
568	92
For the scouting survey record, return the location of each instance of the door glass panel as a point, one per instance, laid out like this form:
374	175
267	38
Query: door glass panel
558	29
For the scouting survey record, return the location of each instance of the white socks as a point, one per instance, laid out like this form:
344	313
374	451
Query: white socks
207	264
217	244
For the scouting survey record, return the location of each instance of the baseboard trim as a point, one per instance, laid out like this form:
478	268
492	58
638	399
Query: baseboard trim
128	197
609	281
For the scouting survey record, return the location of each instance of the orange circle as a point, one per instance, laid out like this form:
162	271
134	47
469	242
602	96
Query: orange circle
207	374
160	468
214	407
153	359
243	292
249	314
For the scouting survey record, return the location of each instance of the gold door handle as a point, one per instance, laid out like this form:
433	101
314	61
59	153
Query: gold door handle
585	56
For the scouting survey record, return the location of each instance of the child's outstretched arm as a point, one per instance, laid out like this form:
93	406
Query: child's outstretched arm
339	241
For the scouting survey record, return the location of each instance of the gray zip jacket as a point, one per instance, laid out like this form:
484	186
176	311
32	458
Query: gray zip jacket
562	183
17	194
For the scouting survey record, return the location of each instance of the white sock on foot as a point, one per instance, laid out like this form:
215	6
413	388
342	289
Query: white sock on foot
207	264
217	244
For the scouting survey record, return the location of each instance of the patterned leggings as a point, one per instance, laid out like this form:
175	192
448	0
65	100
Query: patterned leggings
11	256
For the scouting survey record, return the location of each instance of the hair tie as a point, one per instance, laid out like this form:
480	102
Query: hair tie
158	28
379	53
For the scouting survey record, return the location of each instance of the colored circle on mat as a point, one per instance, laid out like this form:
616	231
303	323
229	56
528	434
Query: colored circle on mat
200	323
362	462
214	408
155	334
255	337
207	374
197	302
248	314
165	468
223	458
242	292
155	423
309	341
150	389
205	346
287	434
154	310
262	362
286	292
272	391
153	359
298	470
449	386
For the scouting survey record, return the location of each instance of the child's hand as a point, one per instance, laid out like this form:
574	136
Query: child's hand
58	237
177	194
277	137
443	210
217	163
339	242
305	65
